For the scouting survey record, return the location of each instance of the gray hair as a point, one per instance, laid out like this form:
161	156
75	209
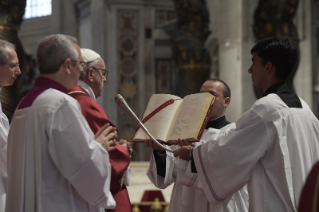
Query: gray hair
4	56
53	50
87	66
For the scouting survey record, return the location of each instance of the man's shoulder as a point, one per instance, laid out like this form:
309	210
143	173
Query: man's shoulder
268	104
273	104
86	102
54	98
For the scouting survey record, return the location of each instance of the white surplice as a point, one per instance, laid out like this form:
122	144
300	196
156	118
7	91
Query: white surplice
54	163
272	149
188	194
4	128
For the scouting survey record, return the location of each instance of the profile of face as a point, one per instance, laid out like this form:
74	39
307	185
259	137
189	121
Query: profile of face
10	70
216	88
97	78
258	71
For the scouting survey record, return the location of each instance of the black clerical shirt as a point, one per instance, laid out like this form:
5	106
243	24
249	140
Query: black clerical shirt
161	160
287	96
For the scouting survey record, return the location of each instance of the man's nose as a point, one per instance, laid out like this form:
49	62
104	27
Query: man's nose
18	70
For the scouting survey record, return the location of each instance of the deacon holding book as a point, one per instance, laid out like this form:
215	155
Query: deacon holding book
55	162
165	169
9	71
273	145
90	87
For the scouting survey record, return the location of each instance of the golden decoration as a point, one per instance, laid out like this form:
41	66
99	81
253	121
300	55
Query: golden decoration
128	89
135	208
166	209
156	206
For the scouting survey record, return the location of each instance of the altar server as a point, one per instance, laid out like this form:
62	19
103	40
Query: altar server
55	163
274	144
165	169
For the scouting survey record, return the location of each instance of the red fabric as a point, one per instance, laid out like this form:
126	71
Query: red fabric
119	158
309	198
150	195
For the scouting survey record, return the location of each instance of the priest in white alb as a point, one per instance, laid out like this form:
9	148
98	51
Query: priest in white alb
55	162
165	169
9	70
274	144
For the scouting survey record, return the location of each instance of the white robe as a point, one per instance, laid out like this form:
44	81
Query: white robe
54	164
272	150
4	128
188	194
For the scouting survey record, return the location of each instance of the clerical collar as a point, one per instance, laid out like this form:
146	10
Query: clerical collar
217	123
47	83
87	88
287	96
41	85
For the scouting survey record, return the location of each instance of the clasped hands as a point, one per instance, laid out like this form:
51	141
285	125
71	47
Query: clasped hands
184	152
107	137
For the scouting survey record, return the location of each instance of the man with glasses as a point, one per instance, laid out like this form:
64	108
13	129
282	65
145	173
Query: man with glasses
165	169
9	71
90	87
55	162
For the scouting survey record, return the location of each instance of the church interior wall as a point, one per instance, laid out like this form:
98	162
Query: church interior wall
315	54
97	25
303	79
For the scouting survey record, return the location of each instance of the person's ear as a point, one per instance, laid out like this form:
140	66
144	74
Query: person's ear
90	75
269	66
271	69
227	101
67	66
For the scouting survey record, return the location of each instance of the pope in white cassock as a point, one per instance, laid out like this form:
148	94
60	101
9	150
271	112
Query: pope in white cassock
9	70
55	163
274	144
188	194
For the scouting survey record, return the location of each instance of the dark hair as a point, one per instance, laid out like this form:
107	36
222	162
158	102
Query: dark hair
53	50
281	52
226	90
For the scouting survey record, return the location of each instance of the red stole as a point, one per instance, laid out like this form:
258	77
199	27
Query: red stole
119	158
309	199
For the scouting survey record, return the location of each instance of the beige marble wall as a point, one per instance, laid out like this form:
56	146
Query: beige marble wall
140	183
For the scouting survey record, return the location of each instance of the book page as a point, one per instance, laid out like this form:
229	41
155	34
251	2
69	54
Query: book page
160	123
191	116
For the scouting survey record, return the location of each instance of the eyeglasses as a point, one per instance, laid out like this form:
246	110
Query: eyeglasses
81	62
105	72
13	66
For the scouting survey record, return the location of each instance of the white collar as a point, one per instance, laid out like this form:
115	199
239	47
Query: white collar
87	88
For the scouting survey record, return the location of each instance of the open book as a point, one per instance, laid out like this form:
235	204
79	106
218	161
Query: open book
170	117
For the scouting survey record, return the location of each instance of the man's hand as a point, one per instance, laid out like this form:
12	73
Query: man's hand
183	142
184	152
127	145
107	137
149	142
